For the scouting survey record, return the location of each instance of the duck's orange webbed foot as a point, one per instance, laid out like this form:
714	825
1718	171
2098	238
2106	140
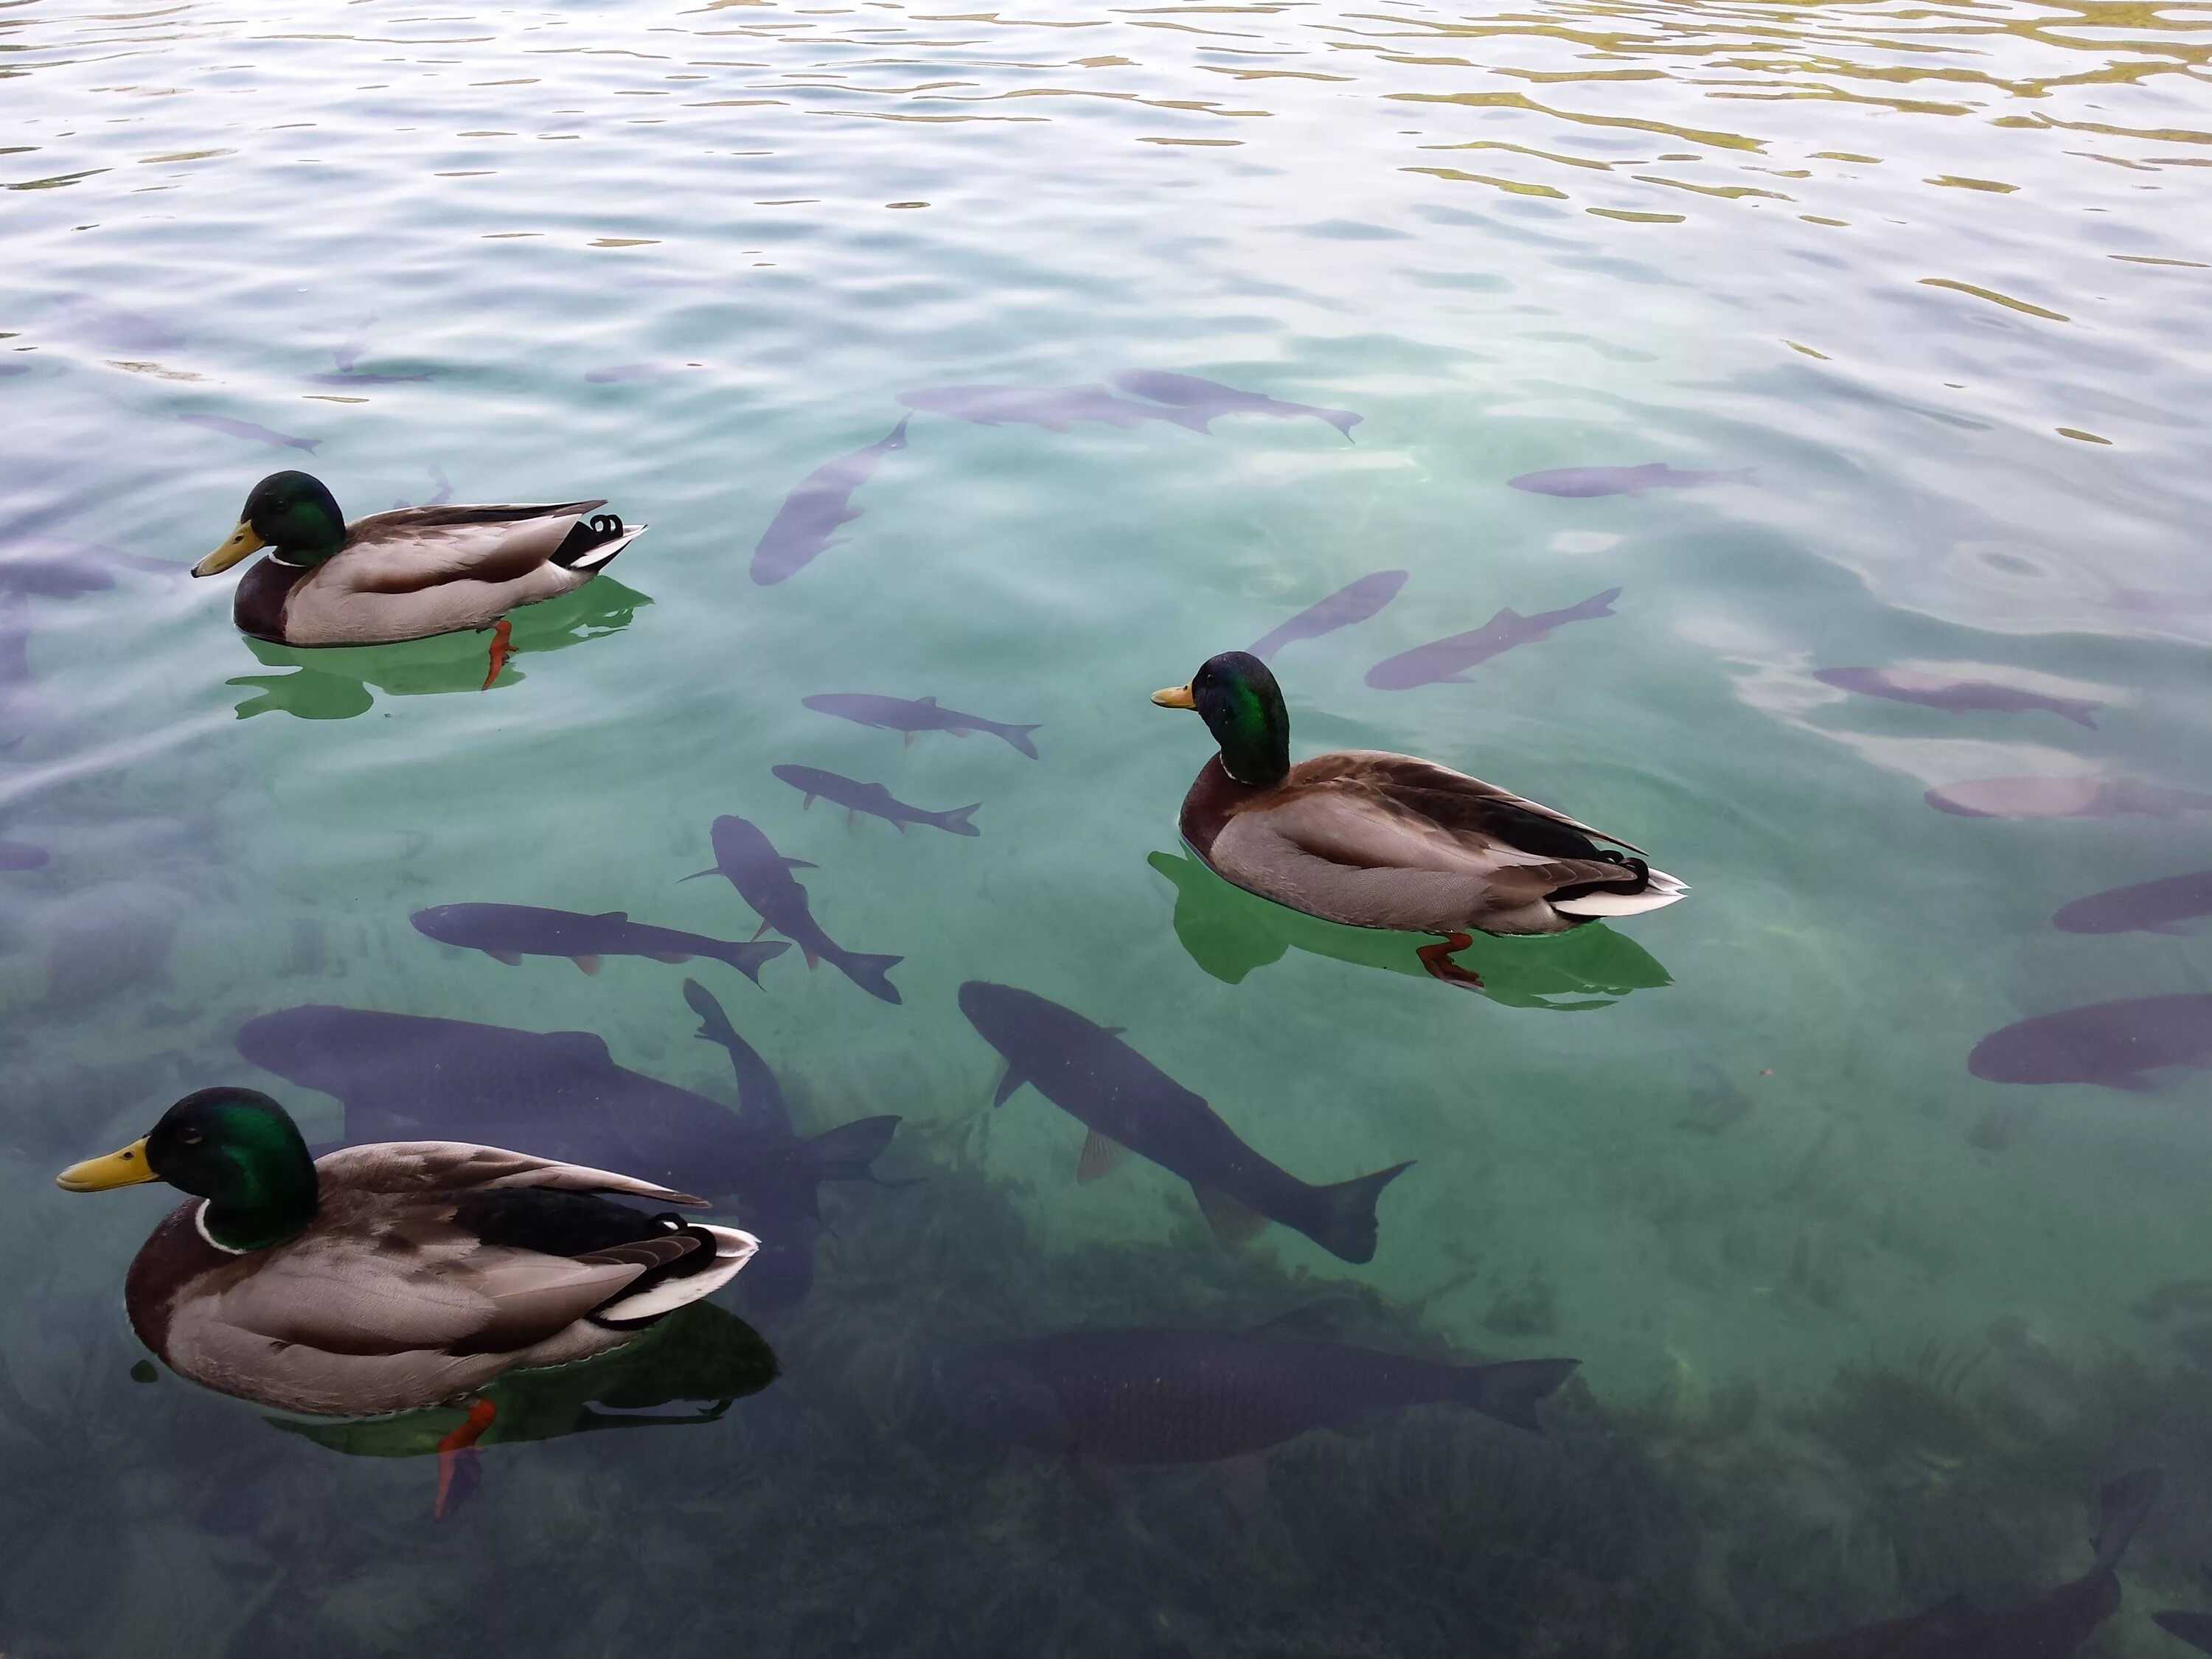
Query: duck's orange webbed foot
500	633
1437	959
461	1466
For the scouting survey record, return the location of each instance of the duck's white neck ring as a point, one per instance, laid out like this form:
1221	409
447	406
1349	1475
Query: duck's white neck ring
200	1226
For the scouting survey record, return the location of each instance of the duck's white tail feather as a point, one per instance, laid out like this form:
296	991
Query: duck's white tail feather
733	1249
1661	890
605	551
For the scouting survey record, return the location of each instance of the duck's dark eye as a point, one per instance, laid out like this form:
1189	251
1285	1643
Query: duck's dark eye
190	1137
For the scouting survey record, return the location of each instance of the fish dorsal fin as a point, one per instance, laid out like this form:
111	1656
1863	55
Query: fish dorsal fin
612	915
1114	1030
927	702
585	1046
1314	1321
1232	1221
1012	1080
1101	1156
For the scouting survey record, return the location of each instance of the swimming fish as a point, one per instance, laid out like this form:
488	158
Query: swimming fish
2112	1044
619	372
1957	696
52	569
21	856
2148	907
1450	659
1210	397
116	328
1054	408
350	378
1129	1105
759	1096
511	931
557	1094
1163	1395
348	351
911	715
802	530
2052	1626
1621	480
224	424
762	878
1355	602
872	799
2063	798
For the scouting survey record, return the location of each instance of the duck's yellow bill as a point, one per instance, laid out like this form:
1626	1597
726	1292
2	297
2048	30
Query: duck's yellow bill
96	1175
242	543
1175	696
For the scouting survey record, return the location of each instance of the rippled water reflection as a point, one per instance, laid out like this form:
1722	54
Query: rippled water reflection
1861	1327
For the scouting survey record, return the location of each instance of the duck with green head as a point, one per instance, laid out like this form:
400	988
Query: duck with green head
388	1277
1378	840
407	574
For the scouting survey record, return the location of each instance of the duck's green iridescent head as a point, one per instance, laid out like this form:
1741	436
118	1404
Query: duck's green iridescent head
1237	697
292	514
236	1148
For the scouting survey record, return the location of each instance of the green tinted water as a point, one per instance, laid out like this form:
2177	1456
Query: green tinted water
1858	1329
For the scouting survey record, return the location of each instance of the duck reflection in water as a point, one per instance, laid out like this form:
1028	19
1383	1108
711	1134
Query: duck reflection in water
1230	932
699	1353
2052	1626
333	683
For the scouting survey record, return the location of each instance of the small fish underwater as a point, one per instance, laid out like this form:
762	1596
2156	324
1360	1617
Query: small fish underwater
231	427
2148	907
874	798
913	714
508	932
1054	408
745	858
1355	602
1584	481
2064	797
1448	659
1210	398
1956	697
804	526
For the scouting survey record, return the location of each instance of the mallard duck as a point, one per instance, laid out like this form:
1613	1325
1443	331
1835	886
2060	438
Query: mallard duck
388	1277
1379	840
407	574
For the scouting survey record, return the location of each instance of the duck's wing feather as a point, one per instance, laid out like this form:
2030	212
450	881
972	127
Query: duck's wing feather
453	1166
419	547
1426	797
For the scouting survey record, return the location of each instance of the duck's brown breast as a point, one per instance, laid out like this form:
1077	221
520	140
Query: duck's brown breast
258	607
170	1262
1215	798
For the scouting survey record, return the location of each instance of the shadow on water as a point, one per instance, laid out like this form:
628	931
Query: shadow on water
332	683
1229	932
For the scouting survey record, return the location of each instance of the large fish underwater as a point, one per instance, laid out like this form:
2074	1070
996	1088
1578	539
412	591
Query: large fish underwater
1165	1395
749	862
2148	907
1355	602
560	1093
1129	1105
805	527
2052	1626
2115	1045
874	798
1450	659
511	931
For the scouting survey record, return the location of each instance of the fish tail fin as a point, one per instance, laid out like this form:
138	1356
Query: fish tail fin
1343	420
957	820
1347	1226
2121	1507
1019	737
1510	1392
872	973
747	959
1197	420
845	1152
2194	1628
713	1025
1598	604
2080	710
